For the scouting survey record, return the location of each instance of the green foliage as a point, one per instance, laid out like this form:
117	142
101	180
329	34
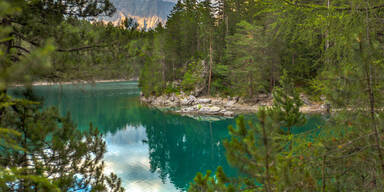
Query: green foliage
56	41
8	139
94	51
193	76
53	150
260	152
249	69
9	176
287	102
269	160
39	149
172	88
231	48
150	75
333	48
209	184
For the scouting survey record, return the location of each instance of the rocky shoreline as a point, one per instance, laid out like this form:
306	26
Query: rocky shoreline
218	106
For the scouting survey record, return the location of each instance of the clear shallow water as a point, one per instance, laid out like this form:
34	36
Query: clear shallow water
151	151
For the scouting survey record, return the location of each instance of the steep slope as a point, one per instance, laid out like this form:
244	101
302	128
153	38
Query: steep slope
147	13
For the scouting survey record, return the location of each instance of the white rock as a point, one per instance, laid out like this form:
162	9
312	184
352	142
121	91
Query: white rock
229	113
194	108
204	101
190	100
184	102
191	97
217	102
215	109
230	103
263	96
172	98
305	99
170	103
210	110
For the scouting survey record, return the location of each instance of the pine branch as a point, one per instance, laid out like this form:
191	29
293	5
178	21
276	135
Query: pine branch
60	49
311	6
81	48
21	48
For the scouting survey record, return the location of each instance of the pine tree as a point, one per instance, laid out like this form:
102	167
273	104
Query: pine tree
246	50
260	151
52	151
287	102
34	28
40	150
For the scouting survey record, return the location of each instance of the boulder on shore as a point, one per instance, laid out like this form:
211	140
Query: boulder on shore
204	101
190	100
230	103
229	113
219	106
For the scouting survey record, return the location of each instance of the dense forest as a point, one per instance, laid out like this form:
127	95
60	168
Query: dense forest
328	49
241	47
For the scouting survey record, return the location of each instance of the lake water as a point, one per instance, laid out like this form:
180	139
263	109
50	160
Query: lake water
150	150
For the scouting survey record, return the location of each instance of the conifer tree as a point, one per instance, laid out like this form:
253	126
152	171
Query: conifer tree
246	49
51	150
260	151
39	149
287	102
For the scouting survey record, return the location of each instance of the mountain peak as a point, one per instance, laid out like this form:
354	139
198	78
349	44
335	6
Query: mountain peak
147	13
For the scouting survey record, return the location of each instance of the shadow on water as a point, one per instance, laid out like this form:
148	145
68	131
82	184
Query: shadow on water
149	149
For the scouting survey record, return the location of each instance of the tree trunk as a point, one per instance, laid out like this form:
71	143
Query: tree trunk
326	32
163	74
323	185
163	66
210	66
250	85
24	160
226	26
371	94
267	184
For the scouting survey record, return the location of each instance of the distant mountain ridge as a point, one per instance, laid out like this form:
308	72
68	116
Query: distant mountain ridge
147	13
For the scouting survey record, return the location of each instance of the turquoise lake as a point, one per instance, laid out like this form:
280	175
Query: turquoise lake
150	150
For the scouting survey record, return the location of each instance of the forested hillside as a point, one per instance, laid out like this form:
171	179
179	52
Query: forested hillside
79	47
241	47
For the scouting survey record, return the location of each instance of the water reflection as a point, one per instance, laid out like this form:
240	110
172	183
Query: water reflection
128	157
150	150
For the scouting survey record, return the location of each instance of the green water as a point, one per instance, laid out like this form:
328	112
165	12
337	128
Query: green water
150	150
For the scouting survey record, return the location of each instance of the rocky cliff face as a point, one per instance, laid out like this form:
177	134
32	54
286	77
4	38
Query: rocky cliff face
147	13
